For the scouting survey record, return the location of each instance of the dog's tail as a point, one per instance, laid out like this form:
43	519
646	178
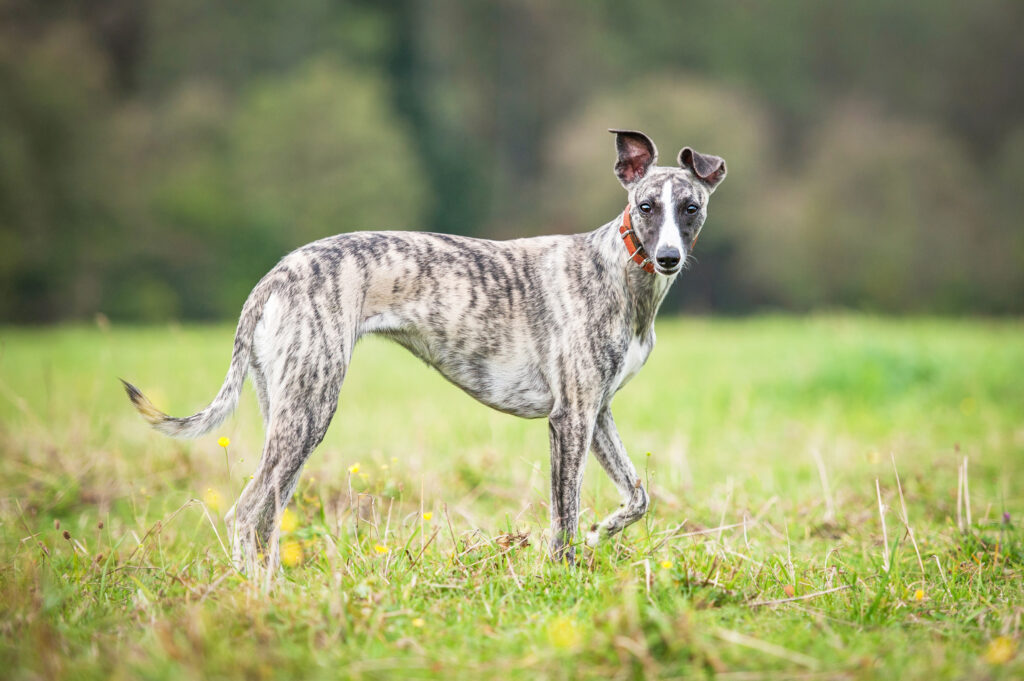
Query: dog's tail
224	403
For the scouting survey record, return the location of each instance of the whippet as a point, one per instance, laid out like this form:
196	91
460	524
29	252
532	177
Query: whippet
548	326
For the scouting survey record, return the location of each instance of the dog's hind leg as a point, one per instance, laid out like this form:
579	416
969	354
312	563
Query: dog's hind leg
611	453
295	427
300	365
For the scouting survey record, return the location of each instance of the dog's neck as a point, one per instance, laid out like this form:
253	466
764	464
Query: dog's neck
644	291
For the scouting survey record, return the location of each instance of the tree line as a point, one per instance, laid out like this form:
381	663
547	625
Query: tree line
157	157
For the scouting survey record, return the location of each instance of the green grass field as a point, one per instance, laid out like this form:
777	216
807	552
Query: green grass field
415	546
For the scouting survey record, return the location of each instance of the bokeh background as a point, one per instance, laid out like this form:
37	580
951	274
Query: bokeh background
158	156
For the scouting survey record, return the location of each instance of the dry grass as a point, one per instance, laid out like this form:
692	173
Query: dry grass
415	543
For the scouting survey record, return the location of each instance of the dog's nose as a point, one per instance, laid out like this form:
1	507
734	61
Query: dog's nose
668	258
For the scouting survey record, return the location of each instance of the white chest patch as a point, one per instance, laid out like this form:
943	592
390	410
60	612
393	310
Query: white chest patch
636	355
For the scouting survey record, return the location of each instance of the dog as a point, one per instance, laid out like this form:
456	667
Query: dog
550	326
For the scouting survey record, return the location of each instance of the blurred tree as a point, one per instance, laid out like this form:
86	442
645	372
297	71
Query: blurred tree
55	217
319	152
483	85
156	156
886	214
300	156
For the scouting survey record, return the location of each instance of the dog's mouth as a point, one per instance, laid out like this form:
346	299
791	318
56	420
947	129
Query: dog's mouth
666	271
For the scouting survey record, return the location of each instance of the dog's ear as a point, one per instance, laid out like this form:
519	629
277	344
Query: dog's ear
637	153
709	169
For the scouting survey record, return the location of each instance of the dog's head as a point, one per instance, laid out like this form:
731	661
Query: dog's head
668	205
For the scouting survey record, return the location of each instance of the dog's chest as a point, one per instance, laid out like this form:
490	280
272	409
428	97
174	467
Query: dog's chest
637	352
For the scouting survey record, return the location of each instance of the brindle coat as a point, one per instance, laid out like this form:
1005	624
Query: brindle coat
549	326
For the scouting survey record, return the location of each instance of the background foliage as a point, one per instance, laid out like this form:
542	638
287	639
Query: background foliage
157	157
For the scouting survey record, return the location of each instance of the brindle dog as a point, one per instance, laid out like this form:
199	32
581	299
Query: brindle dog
549	326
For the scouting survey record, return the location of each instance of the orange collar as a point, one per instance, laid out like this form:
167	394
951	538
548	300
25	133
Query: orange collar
633	245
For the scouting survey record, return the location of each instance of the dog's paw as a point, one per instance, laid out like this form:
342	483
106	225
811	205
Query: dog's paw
563	552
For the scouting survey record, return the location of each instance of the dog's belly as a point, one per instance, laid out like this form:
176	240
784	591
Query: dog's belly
517	390
510	382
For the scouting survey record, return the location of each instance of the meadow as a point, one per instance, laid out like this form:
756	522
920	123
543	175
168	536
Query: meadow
832	497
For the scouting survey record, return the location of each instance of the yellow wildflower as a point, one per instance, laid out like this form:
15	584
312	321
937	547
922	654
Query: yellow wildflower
353	469
212	499
919	595
874	457
1000	650
291	553
380	548
418	622
289	521
564	633
427	515
223	442
666	565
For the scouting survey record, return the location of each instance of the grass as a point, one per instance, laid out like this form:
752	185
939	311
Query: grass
416	540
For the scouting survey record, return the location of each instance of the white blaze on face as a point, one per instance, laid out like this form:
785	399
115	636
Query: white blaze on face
668	235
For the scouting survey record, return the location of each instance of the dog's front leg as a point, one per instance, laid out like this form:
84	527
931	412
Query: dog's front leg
570	431
611	454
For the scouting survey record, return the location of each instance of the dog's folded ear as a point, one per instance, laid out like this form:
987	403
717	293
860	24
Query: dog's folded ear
709	169
637	153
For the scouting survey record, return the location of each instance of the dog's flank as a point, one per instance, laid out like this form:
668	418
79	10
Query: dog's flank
550	326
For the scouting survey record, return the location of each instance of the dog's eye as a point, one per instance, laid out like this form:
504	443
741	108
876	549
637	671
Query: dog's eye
645	207
692	208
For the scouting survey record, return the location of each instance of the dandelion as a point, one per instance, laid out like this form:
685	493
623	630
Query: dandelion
381	549
874	457
564	633
666	565
919	595
427	515
291	553
1000	650
289	521
224	442
353	469
418	622
212	499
